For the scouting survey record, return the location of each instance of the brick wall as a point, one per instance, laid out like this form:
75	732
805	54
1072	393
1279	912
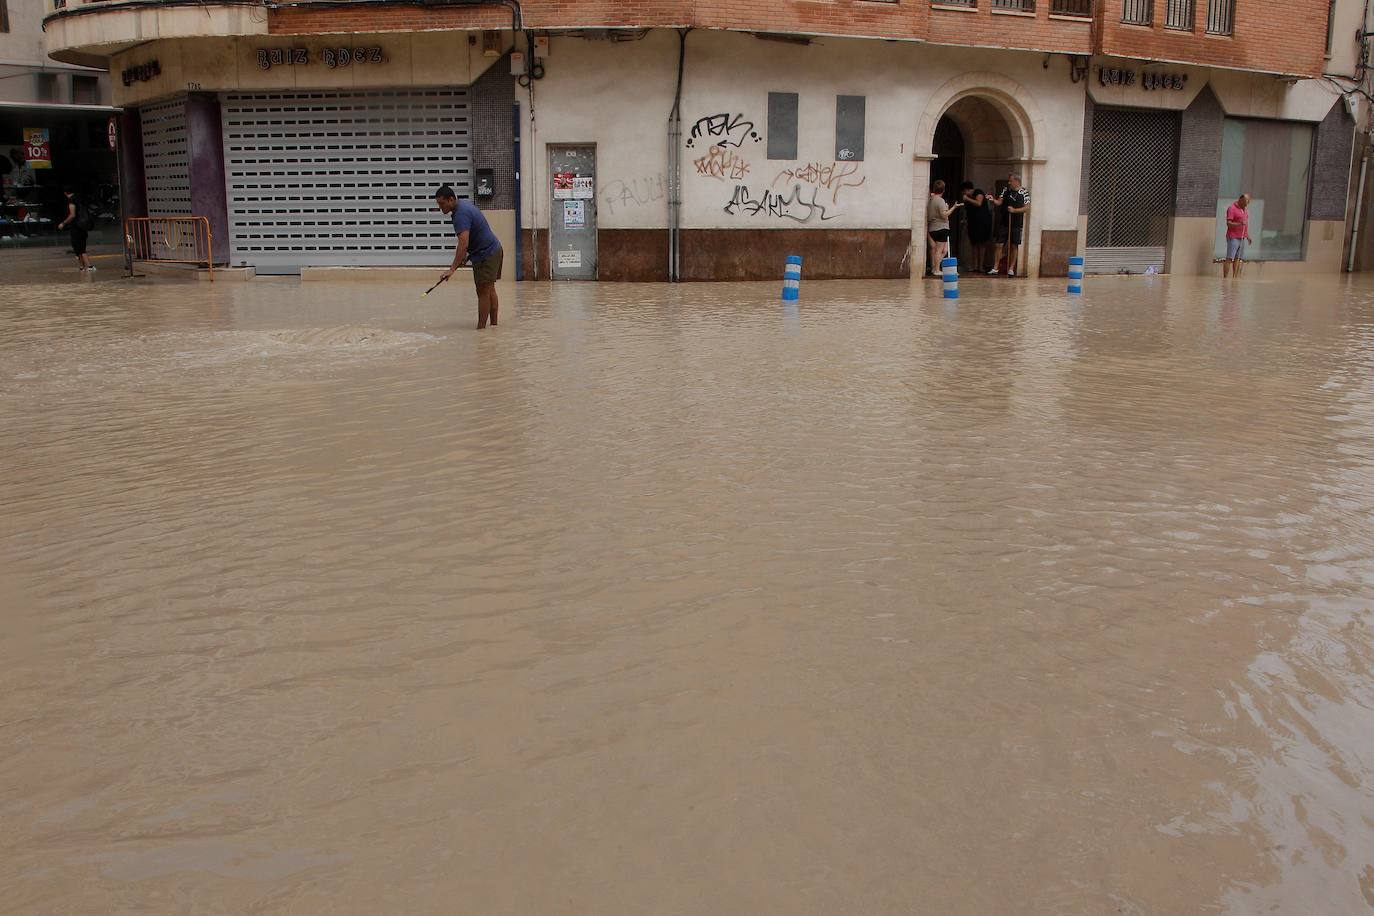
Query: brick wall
1199	156
1331	165
493	145
1037	31
1287	38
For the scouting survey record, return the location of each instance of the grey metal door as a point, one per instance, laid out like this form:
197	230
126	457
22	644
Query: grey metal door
343	178
166	158
572	222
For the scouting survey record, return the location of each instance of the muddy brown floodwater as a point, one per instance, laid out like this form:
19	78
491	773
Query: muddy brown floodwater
671	600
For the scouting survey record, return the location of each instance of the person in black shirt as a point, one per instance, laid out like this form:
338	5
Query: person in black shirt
1015	204
979	219
80	219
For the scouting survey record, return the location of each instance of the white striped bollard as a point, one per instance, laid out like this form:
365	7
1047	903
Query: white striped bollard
1075	276
949	267
791	279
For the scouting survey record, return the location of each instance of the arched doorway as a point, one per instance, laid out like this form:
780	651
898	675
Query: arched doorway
978	127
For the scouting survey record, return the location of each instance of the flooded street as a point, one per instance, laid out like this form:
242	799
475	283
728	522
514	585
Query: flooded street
670	600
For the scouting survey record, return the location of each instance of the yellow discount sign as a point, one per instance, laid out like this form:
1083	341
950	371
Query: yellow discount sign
37	148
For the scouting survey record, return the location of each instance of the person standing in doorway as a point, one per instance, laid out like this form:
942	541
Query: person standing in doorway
1237	235
937	225
81	221
1015	204
978	216
478	244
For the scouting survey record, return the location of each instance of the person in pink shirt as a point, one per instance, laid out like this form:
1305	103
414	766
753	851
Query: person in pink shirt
1237	235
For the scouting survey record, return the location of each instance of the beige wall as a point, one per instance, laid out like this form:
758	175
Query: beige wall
1193	239
22	55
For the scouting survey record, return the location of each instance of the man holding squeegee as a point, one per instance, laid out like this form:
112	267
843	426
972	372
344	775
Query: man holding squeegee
477	243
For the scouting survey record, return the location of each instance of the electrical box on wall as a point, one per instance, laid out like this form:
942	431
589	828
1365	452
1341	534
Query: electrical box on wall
541	47
517	63
486	183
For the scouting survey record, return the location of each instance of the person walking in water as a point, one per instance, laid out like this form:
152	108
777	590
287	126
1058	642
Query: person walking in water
937	219
477	243
81	222
1237	235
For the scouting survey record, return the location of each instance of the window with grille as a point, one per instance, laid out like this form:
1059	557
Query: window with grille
1138	12
1221	17
4	16
1015	6
1071	8
1330	25
970	4
1179	15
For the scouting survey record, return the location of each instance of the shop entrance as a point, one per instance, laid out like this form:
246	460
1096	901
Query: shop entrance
1131	183
343	178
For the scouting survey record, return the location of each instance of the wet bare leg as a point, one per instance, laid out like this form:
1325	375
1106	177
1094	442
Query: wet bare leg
495	304
486	293
1013	256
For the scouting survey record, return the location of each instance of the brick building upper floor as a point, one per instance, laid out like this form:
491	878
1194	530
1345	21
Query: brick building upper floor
1242	34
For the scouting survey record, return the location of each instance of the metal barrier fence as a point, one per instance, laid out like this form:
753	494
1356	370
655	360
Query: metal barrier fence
170	240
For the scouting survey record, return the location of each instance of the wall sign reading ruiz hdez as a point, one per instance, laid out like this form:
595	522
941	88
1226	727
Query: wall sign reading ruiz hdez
330	57
1115	76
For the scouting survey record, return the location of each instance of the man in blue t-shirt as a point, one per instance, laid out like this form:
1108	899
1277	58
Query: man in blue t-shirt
477	243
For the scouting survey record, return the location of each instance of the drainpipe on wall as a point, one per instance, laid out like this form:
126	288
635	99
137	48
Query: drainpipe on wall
675	167
1359	210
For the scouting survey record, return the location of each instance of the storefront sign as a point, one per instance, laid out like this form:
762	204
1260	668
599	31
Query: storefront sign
142	73
1115	76
574	214
37	150
333	58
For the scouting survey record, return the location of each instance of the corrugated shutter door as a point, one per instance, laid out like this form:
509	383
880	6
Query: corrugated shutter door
343	178
1131	184
166	158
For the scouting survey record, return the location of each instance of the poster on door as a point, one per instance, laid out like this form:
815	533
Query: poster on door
37	149
568	260
574	214
582	188
563	185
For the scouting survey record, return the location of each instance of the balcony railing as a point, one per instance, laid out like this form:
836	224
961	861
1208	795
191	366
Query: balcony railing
1083	8
1221	17
1138	12
1179	15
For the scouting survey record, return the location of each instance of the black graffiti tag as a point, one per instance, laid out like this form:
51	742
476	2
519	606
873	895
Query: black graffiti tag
723	130
794	206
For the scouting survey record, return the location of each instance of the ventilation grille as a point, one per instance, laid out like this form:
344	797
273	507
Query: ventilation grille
166	160
343	178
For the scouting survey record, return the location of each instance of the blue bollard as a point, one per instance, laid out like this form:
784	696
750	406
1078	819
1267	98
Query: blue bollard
791	279
1075	276
949	267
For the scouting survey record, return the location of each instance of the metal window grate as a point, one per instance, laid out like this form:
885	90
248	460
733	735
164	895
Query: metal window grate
970	4
1138	12
1132	177
1221	17
1082	8
343	178
166	158
1179	15
1017	6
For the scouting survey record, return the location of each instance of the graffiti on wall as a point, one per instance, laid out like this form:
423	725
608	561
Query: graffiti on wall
721	163
834	177
723	129
797	205
619	194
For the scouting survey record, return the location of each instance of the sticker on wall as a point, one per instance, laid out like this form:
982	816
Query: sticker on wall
563	185
37	149
569	259
574	214
583	187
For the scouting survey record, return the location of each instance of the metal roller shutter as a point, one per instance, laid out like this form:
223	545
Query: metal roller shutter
1131	184
166	158
343	178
